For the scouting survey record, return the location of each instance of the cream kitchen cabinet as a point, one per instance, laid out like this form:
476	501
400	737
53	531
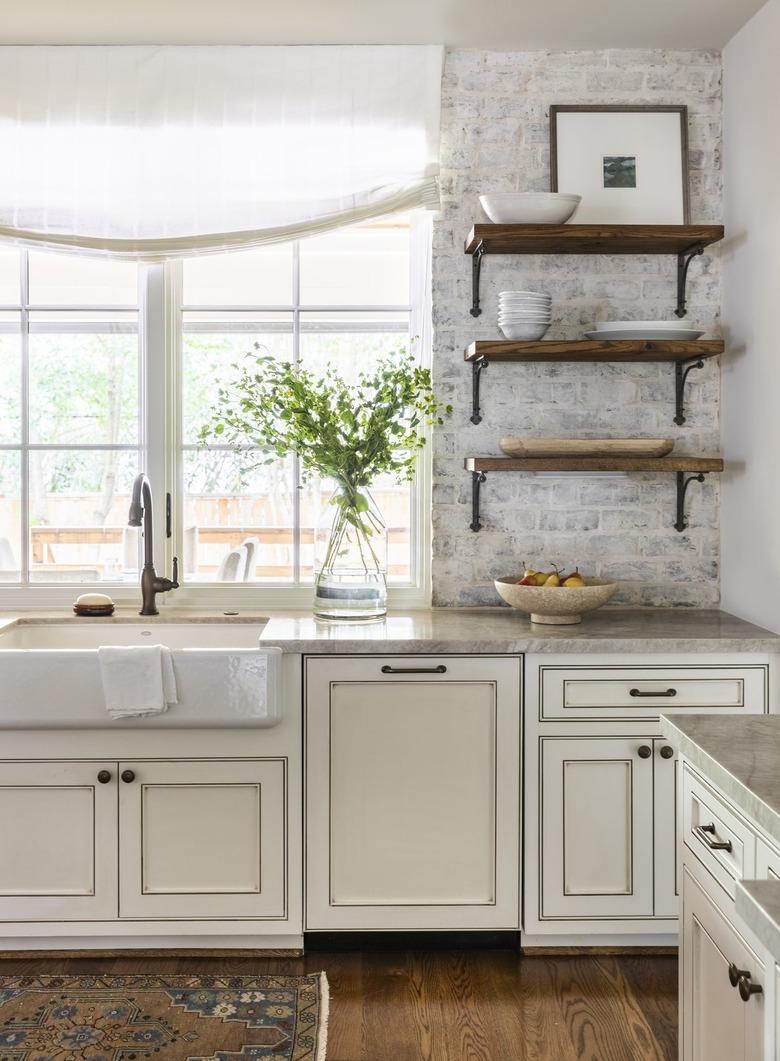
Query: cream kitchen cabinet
201	839
143	839
600	800
412	792
722	983
58	830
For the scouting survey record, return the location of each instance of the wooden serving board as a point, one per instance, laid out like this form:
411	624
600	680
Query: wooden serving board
587	447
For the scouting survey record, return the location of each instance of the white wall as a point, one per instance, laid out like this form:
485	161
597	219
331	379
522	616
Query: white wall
750	409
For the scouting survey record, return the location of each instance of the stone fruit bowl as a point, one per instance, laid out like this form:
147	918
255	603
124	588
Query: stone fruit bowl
556	605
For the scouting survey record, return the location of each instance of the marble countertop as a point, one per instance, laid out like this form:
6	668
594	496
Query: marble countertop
469	630
740	754
758	904
503	630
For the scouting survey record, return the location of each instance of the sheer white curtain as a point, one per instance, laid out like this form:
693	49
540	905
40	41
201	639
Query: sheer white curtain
154	152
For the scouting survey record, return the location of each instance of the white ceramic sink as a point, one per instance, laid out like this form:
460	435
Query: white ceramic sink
78	636
49	675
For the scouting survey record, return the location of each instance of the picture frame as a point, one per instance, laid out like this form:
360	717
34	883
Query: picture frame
629	162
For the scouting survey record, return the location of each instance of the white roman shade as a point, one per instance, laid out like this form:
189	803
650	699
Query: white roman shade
153	152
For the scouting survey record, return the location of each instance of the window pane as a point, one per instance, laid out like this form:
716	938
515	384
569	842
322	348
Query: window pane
251	278
78	516
9	277
238	528
84	388
209	353
69	280
10	517
352	343
365	266
10	378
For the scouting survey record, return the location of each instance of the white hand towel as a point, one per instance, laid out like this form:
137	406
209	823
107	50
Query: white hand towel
137	680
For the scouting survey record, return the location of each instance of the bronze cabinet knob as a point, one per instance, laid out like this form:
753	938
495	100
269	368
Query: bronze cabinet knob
128	776
644	751
667	751
735	974
747	988
104	776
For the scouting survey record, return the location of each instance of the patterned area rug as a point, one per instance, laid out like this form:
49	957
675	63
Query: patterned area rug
163	1018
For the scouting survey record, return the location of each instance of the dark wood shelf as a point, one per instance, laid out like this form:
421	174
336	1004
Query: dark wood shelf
593	464
591	239
629	350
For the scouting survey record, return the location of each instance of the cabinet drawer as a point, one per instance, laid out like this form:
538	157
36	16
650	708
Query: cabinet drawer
721	841
644	692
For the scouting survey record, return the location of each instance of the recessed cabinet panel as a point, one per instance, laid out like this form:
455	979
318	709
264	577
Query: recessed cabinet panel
190	835
597	847
412	782
413	790
202	839
57	847
596	837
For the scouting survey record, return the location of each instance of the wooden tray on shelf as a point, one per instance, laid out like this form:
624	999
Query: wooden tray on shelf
586	447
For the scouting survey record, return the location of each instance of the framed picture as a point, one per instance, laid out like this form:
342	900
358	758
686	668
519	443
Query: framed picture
629	163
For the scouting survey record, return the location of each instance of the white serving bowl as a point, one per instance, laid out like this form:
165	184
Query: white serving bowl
527	331
555	605
525	298
528	208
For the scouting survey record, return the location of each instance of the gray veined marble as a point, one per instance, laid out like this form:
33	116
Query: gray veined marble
758	904
740	754
503	630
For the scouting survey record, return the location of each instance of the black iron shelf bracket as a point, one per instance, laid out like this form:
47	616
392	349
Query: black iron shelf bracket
478	366
681	372
477	479
683	482
683	265
476	268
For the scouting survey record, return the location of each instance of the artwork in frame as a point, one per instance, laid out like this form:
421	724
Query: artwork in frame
629	163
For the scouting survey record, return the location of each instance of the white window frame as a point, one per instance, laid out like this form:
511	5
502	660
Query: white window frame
159	327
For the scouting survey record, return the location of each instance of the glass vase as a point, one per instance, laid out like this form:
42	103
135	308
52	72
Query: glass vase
351	580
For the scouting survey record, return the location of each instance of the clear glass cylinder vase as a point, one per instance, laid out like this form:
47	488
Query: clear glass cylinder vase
351	560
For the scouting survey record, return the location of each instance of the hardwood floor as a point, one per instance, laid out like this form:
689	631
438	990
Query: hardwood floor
463	1005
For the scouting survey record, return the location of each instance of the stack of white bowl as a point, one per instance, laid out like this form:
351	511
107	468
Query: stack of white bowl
524	314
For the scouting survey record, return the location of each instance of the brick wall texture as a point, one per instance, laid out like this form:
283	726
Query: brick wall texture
495	137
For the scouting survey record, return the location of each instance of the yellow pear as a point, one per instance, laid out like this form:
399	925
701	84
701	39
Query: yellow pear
541	577
573	581
553	579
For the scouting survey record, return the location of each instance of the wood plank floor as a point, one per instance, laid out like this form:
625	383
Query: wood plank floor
462	1005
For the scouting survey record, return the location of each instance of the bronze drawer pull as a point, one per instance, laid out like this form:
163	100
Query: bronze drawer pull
441	669
644	751
663	692
667	752
104	776
735	974
128	776
714	845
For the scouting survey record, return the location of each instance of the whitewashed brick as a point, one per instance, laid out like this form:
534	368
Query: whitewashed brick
495	134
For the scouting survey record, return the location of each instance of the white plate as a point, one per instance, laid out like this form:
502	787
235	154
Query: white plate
673	326
682	334
531	294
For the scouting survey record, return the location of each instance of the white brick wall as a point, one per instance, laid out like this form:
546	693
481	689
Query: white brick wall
495	138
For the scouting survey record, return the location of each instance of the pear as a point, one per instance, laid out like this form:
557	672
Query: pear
553	579
573	581
541	577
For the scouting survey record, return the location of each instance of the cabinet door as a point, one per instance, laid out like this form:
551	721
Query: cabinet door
57	841
202	839
667	900
412	769
716	1024
596	836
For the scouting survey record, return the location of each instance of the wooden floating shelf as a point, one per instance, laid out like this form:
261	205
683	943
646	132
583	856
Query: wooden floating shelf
628	350
593	464
590	239
685	469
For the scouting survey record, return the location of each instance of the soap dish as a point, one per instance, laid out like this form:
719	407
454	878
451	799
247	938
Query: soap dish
93	609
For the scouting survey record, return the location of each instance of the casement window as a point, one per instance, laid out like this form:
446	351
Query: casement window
108	368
